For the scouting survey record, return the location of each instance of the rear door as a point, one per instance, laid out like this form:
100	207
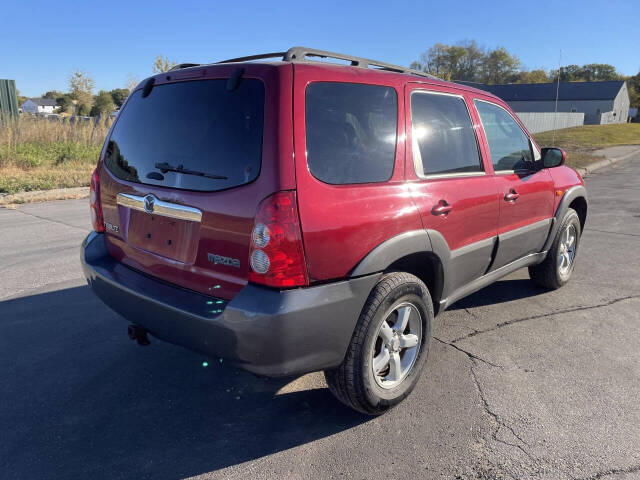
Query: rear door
185	167
526	191
349	145
456	195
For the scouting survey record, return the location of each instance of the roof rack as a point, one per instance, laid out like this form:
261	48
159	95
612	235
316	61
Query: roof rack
300	54
184	65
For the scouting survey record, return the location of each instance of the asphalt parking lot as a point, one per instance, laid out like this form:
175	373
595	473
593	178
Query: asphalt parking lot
520	382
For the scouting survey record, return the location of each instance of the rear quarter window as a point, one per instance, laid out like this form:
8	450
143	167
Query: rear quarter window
214	136
351	132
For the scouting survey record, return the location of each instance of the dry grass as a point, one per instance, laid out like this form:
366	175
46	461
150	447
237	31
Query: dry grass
41	154
581	142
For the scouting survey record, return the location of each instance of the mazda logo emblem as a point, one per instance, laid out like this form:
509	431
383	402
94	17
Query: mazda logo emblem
149	202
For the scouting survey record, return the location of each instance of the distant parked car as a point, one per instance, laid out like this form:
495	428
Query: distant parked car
281	216
79	119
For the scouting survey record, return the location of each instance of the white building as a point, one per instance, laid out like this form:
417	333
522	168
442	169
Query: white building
601	102
39	105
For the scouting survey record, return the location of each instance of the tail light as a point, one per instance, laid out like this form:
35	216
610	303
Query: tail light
94	198
276	256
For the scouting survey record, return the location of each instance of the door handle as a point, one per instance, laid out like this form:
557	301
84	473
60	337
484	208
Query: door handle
442	208
512	196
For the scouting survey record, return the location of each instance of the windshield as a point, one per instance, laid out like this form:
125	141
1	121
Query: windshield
196	126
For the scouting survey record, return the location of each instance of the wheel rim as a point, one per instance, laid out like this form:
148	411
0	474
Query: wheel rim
567	252
397	345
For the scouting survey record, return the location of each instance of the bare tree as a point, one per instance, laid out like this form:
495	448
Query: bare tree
131	82
163	64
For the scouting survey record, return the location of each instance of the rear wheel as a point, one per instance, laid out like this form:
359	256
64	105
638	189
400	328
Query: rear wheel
389	346
557	268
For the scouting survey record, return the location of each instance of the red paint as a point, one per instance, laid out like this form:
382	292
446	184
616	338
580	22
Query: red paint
473	200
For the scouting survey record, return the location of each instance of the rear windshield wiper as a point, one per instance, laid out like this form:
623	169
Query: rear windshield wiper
165	167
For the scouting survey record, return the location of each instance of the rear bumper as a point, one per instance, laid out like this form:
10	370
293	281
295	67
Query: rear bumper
265	331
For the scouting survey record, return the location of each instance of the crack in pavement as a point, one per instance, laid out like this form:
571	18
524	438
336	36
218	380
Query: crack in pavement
50	220
499	423
613	471
496	420
612	233
536	317
469	354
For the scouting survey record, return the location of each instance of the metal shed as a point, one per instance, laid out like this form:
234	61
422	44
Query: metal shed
8	98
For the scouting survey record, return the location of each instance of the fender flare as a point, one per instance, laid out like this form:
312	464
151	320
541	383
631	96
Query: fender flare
577	191
392	249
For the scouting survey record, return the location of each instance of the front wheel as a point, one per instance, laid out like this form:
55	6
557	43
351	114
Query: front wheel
557	267
389	346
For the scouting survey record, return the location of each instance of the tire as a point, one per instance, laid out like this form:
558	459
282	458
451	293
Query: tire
553	272
397	297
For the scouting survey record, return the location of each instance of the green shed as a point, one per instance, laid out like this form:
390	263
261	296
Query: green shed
8	98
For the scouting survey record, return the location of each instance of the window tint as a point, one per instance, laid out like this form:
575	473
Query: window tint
198	127
351	132
508	144
443	137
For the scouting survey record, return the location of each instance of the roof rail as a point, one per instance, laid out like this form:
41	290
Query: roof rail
300	54
184	65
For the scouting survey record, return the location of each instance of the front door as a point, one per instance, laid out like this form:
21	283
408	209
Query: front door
525	190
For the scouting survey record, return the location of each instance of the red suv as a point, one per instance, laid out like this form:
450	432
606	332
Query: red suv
294	215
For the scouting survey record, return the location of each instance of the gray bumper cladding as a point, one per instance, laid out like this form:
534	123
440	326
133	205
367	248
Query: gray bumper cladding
268	332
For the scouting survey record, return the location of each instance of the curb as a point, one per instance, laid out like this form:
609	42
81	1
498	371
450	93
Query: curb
44	195
604	163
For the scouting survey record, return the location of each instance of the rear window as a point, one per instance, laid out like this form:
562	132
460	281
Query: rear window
351	132
190	135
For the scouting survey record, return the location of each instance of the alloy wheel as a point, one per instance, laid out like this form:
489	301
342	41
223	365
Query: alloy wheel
397	345
567	250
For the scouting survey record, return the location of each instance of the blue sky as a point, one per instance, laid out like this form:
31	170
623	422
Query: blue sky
45	41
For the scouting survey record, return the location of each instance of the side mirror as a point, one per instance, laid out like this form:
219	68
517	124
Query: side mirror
553	157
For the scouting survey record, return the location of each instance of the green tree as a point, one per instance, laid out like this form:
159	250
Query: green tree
452	62
66	103
52	94
102	104
472	61
500	66
82	109
81	89
21	99
119	95
592	72
162	64
599	72
633	85
468	61
534	76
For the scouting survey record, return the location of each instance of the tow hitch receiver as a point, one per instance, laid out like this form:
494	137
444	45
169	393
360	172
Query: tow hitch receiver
139	334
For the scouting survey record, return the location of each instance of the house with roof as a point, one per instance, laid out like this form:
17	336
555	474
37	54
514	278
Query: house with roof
601	102
39	105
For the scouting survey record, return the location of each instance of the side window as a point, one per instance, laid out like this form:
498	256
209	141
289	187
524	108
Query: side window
443	138
508	144
351	132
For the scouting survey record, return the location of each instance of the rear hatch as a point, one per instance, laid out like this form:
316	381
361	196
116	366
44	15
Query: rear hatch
183	171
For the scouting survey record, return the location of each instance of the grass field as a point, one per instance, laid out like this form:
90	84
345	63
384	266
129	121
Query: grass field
580	142
38	154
